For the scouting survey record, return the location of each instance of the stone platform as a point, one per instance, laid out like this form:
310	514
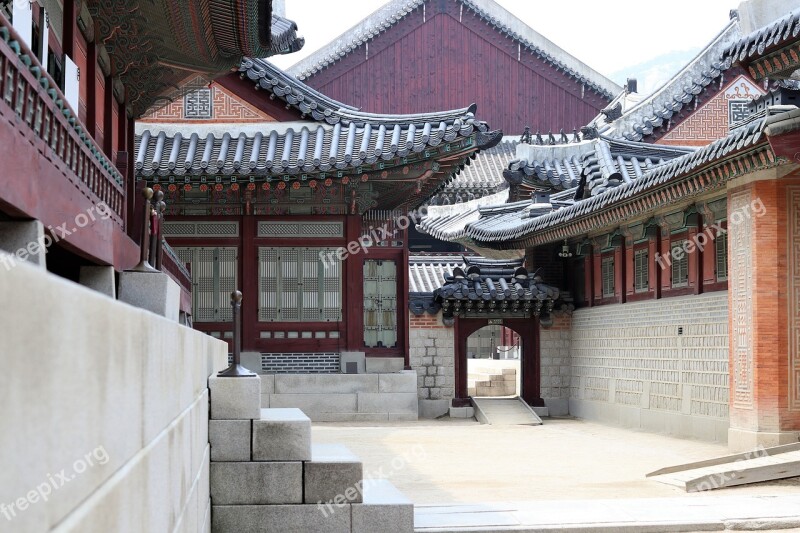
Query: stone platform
344	397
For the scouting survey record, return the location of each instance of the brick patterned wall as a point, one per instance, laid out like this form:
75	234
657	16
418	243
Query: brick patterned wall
770	302
298	363
225	107
633	355
793	248
432	355
556	358
710	121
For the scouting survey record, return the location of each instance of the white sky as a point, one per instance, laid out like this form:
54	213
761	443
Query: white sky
618	38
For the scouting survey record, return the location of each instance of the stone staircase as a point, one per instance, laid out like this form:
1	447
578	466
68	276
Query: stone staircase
266	475
484	382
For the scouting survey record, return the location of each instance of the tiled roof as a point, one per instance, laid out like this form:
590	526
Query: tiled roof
470	283
595	165
772	35
321	108
426	273
481	177
513	226
284	39
488	10
448	222
341	138
681	90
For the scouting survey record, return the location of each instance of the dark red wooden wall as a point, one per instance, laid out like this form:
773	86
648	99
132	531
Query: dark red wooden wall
443	63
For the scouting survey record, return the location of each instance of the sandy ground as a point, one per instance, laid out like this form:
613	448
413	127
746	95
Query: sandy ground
452	460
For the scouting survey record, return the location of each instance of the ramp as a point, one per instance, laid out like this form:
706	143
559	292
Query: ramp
764	464
504	412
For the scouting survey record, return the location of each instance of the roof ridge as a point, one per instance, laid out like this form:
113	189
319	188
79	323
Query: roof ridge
394	11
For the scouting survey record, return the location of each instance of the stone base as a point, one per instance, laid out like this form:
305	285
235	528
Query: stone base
557	406
153	291
23	240
433	408
235	398
743	440
384	365
256	483
462	412
100	279
357	359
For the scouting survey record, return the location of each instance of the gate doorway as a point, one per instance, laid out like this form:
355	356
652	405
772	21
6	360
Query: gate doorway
493	362
525	331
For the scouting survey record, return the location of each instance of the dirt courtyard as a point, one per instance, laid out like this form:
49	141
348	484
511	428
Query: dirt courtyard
457	460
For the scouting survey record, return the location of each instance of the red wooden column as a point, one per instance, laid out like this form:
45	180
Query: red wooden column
695	260
353	290
620	272
588	276
248	281
528	330
764	313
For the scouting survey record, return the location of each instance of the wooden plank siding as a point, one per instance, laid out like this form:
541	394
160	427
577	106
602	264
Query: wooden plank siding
441	63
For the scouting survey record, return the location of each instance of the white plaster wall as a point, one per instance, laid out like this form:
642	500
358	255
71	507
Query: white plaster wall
86	376
630	367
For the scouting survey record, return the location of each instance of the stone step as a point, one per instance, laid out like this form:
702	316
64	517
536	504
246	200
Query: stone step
334	474
512	411
282	434
385	509
256	483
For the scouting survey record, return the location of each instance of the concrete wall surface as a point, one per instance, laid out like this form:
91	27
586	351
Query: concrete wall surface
658	365
103	412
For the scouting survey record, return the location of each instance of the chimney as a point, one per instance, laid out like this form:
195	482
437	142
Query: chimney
631	85
540	197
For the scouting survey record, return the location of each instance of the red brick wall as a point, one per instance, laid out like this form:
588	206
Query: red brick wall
768	408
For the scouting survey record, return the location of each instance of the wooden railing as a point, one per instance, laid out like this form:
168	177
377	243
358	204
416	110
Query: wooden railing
28	92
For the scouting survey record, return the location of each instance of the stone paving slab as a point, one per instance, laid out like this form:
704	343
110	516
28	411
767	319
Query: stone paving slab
640	515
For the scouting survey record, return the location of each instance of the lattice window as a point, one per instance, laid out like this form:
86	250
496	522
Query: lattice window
214	275
299	285
641	270
281	229
680	264
721	251
607	275
380	303
201	229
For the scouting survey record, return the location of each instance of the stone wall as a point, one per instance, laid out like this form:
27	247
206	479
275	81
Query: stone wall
556	365
659	365
103	412
432	356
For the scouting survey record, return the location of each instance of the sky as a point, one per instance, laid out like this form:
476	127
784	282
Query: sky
639	39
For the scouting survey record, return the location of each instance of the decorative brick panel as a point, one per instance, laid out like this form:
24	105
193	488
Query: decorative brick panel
741	289
793	240
669	355
298	363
